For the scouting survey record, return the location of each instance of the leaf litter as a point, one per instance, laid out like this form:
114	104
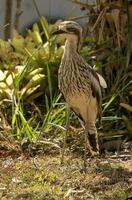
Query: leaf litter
41	176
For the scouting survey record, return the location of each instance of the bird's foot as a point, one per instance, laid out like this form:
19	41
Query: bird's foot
94	153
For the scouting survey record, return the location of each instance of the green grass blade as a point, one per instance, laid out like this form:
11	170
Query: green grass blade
115	95
49	83
47	103
42	21
109	102
26	126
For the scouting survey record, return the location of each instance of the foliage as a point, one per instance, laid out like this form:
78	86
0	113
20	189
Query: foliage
28	75
29	98
30	106
42	178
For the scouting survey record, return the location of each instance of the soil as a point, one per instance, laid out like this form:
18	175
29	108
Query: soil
41	176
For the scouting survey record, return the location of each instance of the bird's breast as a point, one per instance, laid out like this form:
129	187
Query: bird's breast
71	80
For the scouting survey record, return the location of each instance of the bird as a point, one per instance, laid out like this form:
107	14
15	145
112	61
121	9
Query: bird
80	86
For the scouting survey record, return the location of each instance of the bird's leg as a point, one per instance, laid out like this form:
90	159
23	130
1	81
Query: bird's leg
87	145
65	135
85	153
93	138
91	142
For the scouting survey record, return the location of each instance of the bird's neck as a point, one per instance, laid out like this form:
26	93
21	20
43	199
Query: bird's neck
72	45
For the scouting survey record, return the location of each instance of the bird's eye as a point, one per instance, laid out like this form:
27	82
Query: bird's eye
70	29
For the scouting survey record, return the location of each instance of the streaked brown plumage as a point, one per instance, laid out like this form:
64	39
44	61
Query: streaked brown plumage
79	83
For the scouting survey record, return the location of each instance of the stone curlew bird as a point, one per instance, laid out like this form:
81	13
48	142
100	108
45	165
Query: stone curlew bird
80	85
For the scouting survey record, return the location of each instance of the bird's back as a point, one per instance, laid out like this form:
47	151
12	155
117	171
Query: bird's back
79	84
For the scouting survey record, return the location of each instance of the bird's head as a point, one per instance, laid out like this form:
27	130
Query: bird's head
70	29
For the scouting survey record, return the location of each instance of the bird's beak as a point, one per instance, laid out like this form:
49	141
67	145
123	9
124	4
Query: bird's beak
58	31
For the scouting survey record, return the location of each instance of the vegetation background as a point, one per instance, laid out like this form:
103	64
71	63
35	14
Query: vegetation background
32	111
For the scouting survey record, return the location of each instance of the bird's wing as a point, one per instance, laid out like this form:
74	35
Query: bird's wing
100	78
102	81
95	84
96	80
96	90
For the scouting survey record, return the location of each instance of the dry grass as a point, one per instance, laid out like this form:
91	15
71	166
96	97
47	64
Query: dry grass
42	177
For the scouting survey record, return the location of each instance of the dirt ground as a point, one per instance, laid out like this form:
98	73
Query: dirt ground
41	177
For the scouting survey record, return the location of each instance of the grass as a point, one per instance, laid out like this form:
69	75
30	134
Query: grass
33	113
34	82
42	177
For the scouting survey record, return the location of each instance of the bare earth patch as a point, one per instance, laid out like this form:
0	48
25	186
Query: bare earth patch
42	177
